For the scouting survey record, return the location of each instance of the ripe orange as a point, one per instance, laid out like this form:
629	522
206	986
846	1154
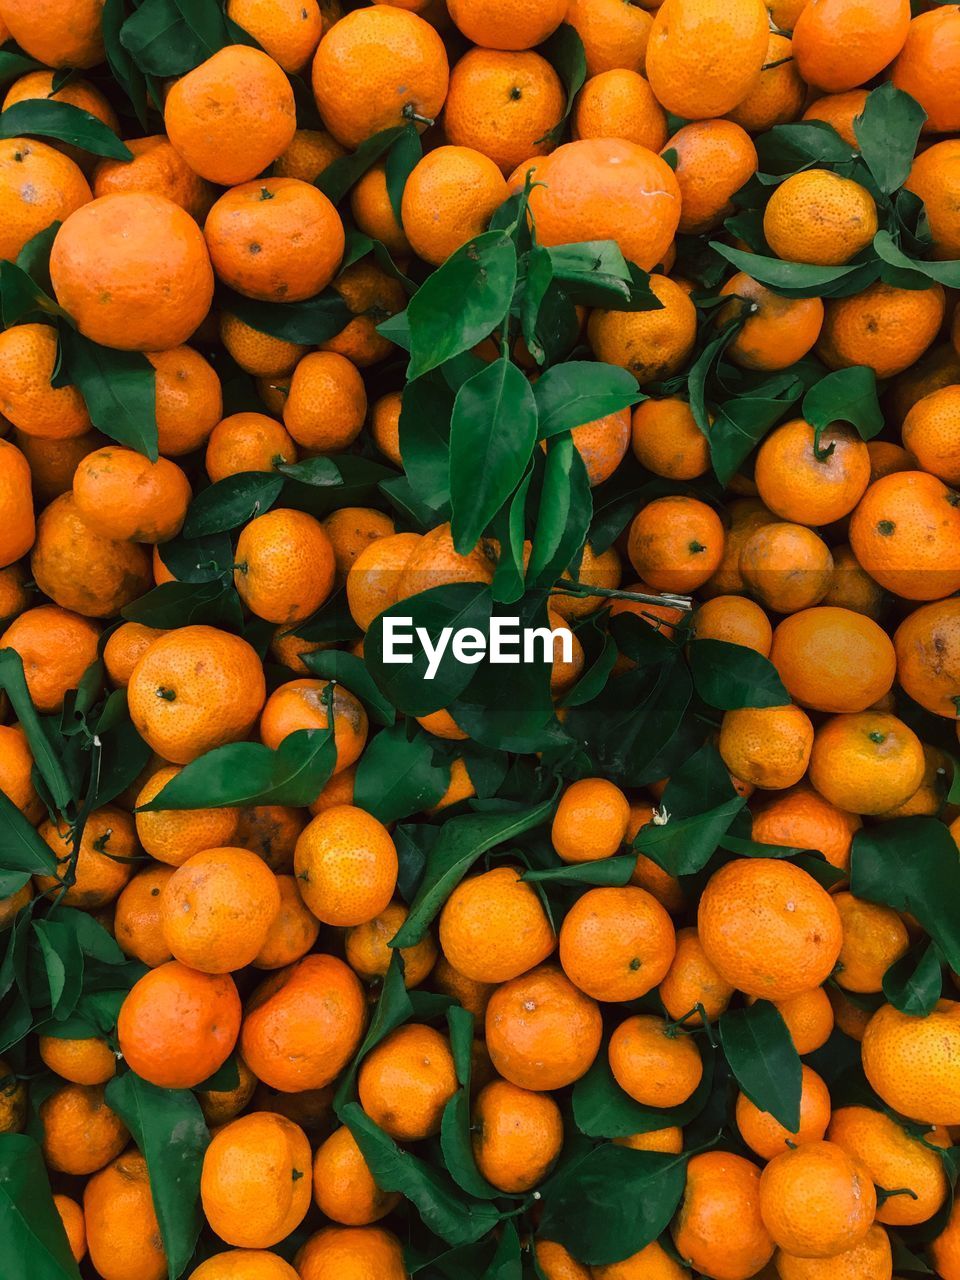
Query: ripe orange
308	155
779	94
16	765
28	354
189	399
894	1158
718	1227
884	328
346	866
174	835
374	577
768	1137
369	954
56	647
933	178
839	44
802	819
766	746
289	30
839	110
38	185
816	1201
617	943
292	932
614	35
656	1064
926	644
136	922
704	56
496	24
120	494
619	103
907	1062
833	659
123	1235
104	860
406	1081
786	566
928	64
373	212
904	534
351	1253
255	1183
590	821
247	442
18	527
54	36
493	927
809	1019
871	1259
327	403
302	704
542	1033
692	980
778	331
516	1135
930	433
734	620
867	762
818	217
71	1215
714	159
652	345
812	481
343	1186
244	1264
435	563
371	296
157	168
676	543
283	565
874	938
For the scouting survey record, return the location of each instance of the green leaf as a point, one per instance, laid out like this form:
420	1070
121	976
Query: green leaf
461	302
168	1127
887	131
461	842
337	179
308	323
444	1210
119	388
594	273
912	866
760	1053
945	273
45	757
34	257
22	298
564	51
492	435
393	1008
789	148
455	1140
730	676
14	64
232	502
45	118
181	604
247	773
792	279
397	776
425	414
740	425
568	395
62	961
402	159
509	527
350	671
601	1109
914	983
21	848
846	395
32	1239
160	41
125	71
207	22
605	871
564	514
684	846
611	1202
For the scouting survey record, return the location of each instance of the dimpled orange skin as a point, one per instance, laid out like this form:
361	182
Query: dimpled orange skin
217	687
405	1082
786	566
123	1235
871	1259
692	980
676	543
288	30
48	630
614	35
276	239
885	328
839	110
178	1026
714	159
284	565
136	923
927	644
590	821
617	943
840	44
910	1062
768	1137
38	185
38	85
945	1250
650	1263
802	819
174	835
302	704
718	1227
767	746
247	442
734	620
556	1262
80	1132
124	649
541	1032
71	1215
808	481
327	403
346	866
769	928
258	353
368	950
852	587
930	433
17	524
818	217
372	297
809	1019
133	272
449	199
244	1264
655	1065
497	24
816	1201
28	354
493	927
833	659
343	1186
303	1024
867	762
906	535
16	764
158	168
103	863
610	189
85	1061
779	94
928	67
704	56
778	331
619	103
232	115
374	577
373	66
57	37
516	1135
935	178
351	1253
122	495
874	938
293	930
894	1158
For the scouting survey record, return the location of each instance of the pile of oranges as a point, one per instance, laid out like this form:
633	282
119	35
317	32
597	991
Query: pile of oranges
636	964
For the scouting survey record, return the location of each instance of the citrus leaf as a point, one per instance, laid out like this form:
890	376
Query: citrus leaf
581	391
846	395
160	41
45	118
21	848
740	425
792	279
231	502
207	22
45	756
119	388
14	64
63	962
605	871
509	527
455	1140
565	53
32	1239
425	414
563	516
760	1053
684	846
393	1008
181	604
914	983
731	676
402	159
945	273
887	131
307	323
397	776
337	178
22	298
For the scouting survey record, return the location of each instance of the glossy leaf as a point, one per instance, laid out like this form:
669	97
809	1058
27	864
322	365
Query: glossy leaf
350	671
397	776
48	762
308	323
337	178
581	391
730	676
455	1128
21	848
181	604
425	415
47	118
402	159
887	131
914	983
119	388
793	279
760	1053
601	1109
605	871
846	395
563	517
232	502
32	1239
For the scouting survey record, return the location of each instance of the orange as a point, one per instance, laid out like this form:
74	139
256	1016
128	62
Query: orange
86	1061
667	441
13	1100
80	1132
867	762
812	481
617	943
779	94
351	530
104	859
542	1032
926	644
194	689
769	928
59	38
929	797
614	35
346	866
733	620
123	1234
56	647
667	1141
718	1227
907	1062
676	543
276	239
714	159
406	1081
619	103
120	494
232	115
385	426
435	563
16	764
189	399
833	659
174	835
288	30
818	217
18	528
374	577
768	1137
255	1182
156	168
786	566
373	212
371	296
327	404
928	65
656	1064
816	1201
287	648
466	991
376	68
904	533
766	746
369	954
496	24
692	980
38	185
801	819
292	932
53	461
503	105
516	1135
602	444
745	515
840	44
136	923
244	1264
851	587
777	331
934	178
178	1026
871	1259
283	565
650	1263
945	1249
14	590
885	328
874	938
303	1024
930	433
308	155
133	271
302	704
448	199
247	442
590	821
595	571
343	1186
894	1158
71	1215
839	110
351	1253
28	354
705	56
809	1018
493	927
608	189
